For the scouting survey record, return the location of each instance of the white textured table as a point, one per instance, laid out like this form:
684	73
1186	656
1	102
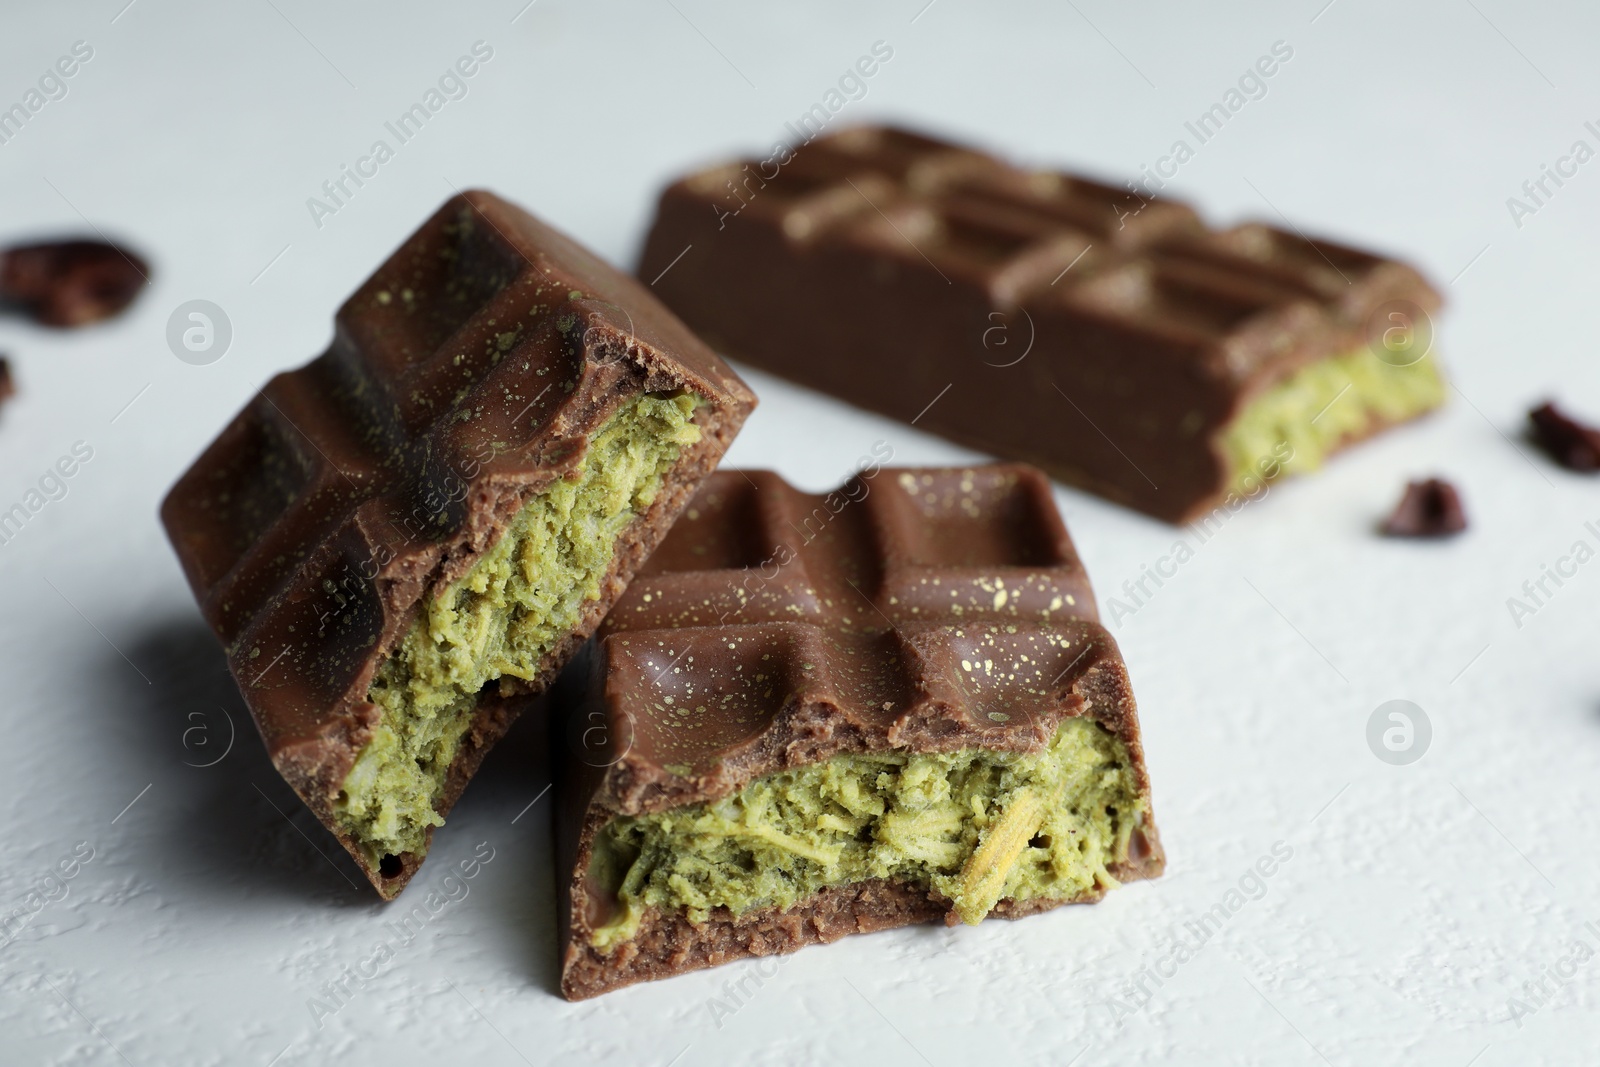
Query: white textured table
205	920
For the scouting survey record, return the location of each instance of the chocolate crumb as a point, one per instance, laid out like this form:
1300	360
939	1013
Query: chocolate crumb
8	385
1569	442
71	283
1430	508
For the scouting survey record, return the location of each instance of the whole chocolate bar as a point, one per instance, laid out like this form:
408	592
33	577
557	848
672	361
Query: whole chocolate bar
1107	336
812	716
401	543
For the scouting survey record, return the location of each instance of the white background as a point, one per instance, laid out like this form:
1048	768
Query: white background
1418	898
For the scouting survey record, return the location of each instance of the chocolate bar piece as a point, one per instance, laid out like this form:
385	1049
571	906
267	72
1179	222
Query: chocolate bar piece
403	541
1103	334
812	716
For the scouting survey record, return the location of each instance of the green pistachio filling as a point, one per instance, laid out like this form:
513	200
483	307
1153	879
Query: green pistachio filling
1320	406
976	826
499	619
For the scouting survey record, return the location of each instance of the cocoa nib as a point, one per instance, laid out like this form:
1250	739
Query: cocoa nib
1430	508
71	283
1569	442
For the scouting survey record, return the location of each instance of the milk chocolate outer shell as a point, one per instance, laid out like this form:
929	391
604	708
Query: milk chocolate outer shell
465	377
862	604
1100	334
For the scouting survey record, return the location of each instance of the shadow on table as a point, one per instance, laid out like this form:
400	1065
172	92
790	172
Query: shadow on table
509	807
236	827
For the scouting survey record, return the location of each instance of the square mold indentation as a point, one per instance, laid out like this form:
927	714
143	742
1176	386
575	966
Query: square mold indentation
921	163
1115	217
1329	268
892	150
873	680
511	364
1179	301
314	459
1008	678
977	543
523	389
310	650
218	514
432	286
1002	248
806	197
720	530
685	700
833	536
731	558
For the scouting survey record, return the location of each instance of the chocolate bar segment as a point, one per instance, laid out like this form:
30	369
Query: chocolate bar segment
402	542
818	715
1105	335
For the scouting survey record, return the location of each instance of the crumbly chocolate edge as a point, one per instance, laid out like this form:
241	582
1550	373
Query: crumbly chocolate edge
673	944
669	943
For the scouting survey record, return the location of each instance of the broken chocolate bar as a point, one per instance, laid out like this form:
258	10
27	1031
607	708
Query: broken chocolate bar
1103	334
812	716
403	541
71	283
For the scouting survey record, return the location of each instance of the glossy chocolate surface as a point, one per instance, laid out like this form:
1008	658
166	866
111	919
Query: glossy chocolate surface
921	610
465	377
1103	334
